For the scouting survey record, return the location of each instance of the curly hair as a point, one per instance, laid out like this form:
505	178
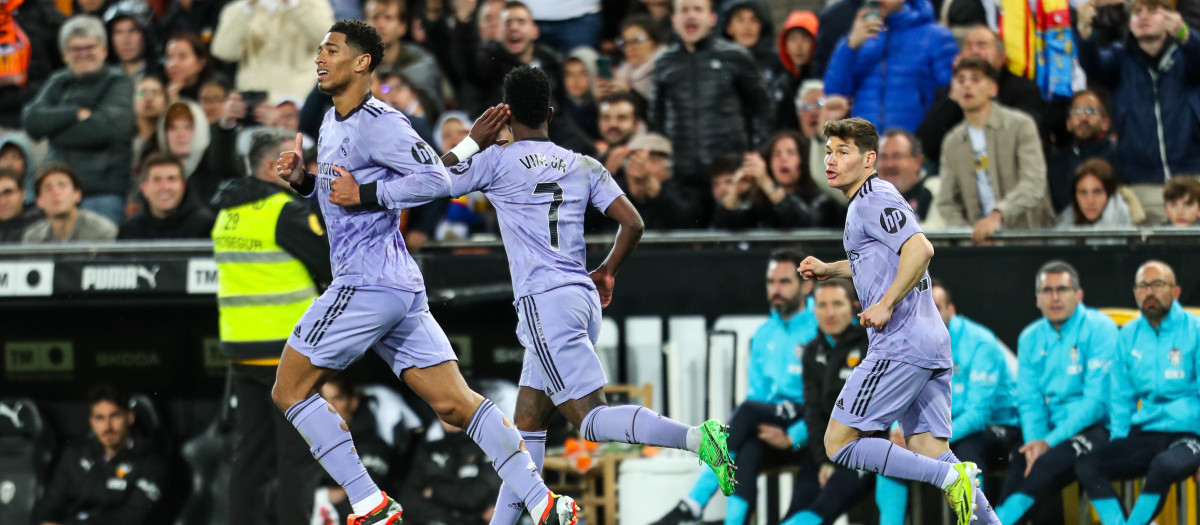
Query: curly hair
527	93
363	38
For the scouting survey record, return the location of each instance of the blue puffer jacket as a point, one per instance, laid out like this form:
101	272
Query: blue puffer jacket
984	384
776	364
892	79
1140	117
1062	376
1156	370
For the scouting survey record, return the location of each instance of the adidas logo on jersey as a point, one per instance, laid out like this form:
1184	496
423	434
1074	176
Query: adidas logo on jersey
840	405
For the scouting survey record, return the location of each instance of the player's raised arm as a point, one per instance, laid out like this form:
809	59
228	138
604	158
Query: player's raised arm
812	268
484	133
628	236
915	255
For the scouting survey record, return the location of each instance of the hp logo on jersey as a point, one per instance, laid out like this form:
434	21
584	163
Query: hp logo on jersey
423	154
891	220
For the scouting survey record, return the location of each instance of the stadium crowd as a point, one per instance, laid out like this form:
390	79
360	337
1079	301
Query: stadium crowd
121	119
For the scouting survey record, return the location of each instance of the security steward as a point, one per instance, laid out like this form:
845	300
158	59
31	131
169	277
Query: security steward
272	255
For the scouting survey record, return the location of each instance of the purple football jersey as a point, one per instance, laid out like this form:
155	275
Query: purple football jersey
878	223
540	192
375	143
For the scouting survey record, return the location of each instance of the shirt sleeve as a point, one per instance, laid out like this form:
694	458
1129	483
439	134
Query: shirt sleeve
395	145
886	218
477	173
604	190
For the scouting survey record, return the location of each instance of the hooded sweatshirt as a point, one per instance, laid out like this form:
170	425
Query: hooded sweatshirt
21	141
789	75
763	51
212	158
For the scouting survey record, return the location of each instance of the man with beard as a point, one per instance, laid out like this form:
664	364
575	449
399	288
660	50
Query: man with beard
108	477
620	120
1089	123
768	427
169	211
1155	409
900	160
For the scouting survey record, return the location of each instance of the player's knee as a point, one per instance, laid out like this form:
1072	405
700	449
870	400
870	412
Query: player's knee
453	411
529	422
284	398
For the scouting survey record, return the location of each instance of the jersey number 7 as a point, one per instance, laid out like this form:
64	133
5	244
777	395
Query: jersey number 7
551	188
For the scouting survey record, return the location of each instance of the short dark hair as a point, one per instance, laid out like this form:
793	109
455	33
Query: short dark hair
362	38
1057	266
916	149
635	100
724	165
1101	95
527	93
844	284
51	168
199	48
791	255
16	176
161	158
108	392
1182	187
516	4
862	132
264	143
403	16
1103	171
647	23
977	64
937	283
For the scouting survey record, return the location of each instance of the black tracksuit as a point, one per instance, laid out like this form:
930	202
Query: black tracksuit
88	488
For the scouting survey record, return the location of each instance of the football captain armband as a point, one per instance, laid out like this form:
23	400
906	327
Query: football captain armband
465	149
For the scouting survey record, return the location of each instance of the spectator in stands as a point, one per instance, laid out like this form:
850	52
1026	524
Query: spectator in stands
1181	197
391	18
258	304
641	44
168	211
835	21
14	215
346	397
451	128
984	407
16	153
706	112
787	170
620	121
1152	78
1013	91
188	66
131	37
898	51
214	93
838	347
739	187
768	427
795	51
272	44
58	195
646	180
1062	390
1154	415
1097	202
900	161
483	64
451	480
1088	123
85	111
488	17
149	103
993	171
579	78
29	61
192	16
747	23
206	151
107	477
812	112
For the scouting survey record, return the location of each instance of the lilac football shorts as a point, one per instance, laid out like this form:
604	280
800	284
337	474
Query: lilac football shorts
346	321
558	329
880	391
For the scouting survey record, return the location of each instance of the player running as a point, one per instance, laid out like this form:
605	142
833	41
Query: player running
540	192
377	299
906	374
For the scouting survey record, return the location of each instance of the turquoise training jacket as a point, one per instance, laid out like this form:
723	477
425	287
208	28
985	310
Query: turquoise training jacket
775	364
1157	368
984	382
1062	377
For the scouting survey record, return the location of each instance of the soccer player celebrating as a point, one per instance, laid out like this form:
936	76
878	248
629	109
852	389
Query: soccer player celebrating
906	374
377	299
541	192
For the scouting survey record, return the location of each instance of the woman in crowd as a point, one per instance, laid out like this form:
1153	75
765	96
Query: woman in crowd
788	172
207	151
579	75
1096	202
188	66
641	44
